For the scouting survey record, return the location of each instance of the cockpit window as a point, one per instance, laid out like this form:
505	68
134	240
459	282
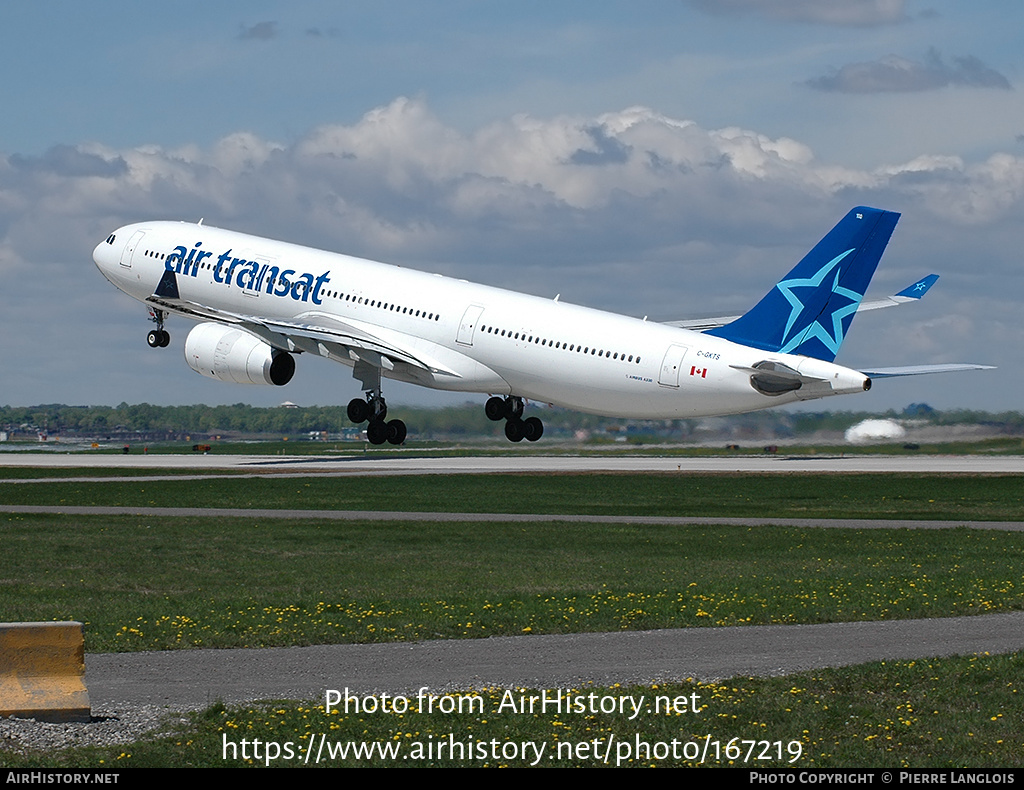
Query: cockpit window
110	238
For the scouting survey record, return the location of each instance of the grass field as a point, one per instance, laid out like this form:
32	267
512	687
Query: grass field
145	583
938	713
160	583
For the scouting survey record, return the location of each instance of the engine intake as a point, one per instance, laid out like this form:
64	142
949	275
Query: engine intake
229	354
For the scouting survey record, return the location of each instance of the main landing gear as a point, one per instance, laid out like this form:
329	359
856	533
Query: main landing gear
510	409
159	337
375	410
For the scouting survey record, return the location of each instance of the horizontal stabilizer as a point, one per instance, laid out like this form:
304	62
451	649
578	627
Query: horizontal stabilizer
920	370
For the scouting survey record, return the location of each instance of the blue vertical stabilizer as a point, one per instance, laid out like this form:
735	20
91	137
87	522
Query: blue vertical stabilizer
809	311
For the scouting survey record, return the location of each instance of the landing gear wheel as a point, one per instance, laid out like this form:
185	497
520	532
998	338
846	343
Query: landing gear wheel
495	409
533	429
396	432
515	430
158	338
373	408
377	432
358	410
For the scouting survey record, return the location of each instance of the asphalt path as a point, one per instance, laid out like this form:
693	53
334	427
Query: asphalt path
515	518
195	678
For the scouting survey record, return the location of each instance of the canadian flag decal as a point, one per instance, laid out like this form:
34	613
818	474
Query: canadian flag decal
695	371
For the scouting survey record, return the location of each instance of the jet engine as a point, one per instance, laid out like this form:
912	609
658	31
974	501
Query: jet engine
229	354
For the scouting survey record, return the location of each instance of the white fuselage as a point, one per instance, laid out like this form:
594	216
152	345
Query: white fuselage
472	338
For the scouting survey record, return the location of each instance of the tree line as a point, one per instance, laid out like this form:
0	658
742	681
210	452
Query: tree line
467	419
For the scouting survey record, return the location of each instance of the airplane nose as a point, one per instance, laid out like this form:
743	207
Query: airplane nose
104	255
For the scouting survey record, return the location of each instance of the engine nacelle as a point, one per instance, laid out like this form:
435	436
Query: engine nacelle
229	354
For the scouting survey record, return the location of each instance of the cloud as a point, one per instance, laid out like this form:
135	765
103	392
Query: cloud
261	31
70	162
894	74
400	182
844	13
609	149
527	203
630	210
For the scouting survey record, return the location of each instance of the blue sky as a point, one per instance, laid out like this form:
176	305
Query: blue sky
671	159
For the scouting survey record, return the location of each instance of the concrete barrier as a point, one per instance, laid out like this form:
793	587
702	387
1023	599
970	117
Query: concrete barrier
42	671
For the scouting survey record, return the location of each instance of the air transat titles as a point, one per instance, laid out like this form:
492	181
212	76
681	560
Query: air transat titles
251	275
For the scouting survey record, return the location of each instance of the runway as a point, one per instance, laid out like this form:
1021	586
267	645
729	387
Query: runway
401	462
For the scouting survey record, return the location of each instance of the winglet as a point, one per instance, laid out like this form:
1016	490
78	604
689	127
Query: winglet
167	288
920	288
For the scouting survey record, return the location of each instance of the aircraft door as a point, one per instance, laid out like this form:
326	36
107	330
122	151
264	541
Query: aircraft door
671	365
129	248
254	281
468	324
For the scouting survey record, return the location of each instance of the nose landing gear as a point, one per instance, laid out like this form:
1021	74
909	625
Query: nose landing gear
159	337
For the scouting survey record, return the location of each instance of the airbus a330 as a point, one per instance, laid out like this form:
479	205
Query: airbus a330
261	303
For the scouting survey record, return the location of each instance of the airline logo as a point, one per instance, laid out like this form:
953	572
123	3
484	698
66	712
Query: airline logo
250	275
830	337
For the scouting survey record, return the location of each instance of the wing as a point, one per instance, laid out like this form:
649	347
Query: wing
911	293
316	333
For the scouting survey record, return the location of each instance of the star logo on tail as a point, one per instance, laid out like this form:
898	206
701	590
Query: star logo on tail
832	336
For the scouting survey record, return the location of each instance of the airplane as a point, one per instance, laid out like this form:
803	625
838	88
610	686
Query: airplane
263	302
